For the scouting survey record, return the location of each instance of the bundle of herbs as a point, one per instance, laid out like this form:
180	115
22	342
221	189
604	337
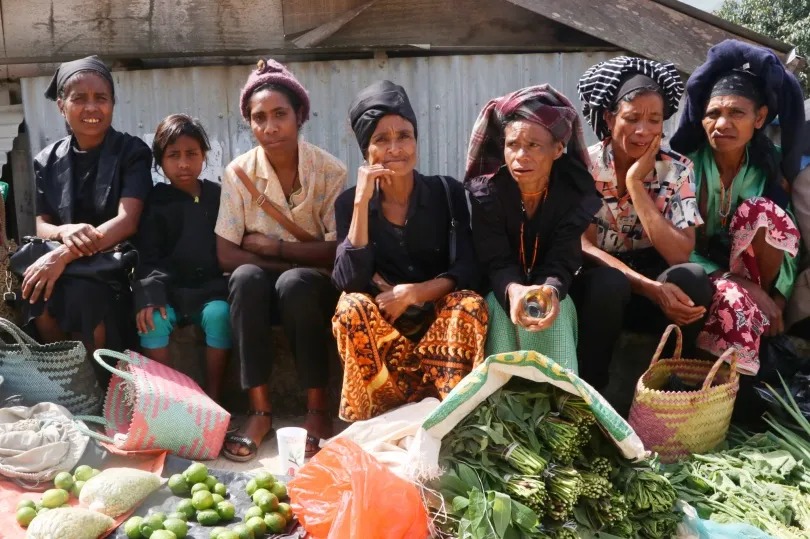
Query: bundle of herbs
532	462
762	479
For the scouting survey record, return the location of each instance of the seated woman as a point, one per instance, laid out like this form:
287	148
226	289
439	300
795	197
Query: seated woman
531	202
637	274
91	186
407	327
749	241
179	280
276	235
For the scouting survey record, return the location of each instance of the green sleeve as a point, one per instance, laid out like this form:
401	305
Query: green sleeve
787	275
708	266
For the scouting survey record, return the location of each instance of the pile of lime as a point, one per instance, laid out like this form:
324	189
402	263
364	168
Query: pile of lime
266	514
158	526
65	486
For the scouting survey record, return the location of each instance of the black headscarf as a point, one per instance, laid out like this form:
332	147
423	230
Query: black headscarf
741	83
372	103
68	69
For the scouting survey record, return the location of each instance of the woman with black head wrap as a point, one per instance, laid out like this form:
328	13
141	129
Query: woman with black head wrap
636	251
407	325
749	242
90	191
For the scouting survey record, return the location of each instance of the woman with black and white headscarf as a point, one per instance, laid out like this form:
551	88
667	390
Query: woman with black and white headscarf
636	251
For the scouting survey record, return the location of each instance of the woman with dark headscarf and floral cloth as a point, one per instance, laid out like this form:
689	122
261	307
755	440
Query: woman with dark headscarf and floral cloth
531	202
408	325
749	242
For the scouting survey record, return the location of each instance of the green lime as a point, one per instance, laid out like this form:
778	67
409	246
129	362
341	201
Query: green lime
83	473
243	532
226	510
25	515
251	487
196	473
42	510
220	489
163	534
285	510
76	489
264	479
199	487
267	502
227	534
256	525
177	526
27	503
216	531
260	493
63	480
178	515
253	512
158	517
150	525
202	500
279	490
211	481
132	527
275	522
217	498
208	517
185	506
54	498
94	473
178	485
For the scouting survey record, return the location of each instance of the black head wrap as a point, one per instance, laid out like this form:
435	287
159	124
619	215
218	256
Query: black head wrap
68	69
741	83
372	103
636	81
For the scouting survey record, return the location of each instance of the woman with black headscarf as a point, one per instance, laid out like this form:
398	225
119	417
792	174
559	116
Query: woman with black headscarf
749	242
407	325
90	191
637	250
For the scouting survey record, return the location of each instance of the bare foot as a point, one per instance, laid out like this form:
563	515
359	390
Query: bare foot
320	426
256	428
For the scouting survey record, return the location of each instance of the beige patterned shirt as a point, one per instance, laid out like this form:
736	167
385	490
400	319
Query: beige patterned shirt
312	207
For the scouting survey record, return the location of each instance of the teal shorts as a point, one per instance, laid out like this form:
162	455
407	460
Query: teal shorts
214	319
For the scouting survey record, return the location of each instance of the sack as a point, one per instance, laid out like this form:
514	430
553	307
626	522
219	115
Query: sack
678	423
152	406
345	492
111	267
60	372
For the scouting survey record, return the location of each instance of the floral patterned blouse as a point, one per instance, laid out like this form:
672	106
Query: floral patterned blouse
671	185
312	207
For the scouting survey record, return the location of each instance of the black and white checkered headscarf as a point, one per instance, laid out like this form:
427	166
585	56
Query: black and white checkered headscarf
598	86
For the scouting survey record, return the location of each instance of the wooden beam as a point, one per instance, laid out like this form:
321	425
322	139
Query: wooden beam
322	32
643	27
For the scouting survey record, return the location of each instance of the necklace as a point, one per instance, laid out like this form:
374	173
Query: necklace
522	251
724	208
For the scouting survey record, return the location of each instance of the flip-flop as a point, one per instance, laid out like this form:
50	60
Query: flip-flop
253	449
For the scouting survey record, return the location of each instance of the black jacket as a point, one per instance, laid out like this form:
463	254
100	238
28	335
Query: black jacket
559	223
177	245
123	172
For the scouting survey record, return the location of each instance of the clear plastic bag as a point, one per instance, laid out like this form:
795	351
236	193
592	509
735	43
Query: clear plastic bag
344	492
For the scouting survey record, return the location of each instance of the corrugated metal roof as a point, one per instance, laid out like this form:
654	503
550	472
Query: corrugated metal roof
447	93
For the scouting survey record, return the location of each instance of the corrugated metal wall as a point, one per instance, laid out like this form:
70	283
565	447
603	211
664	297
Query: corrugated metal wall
447	93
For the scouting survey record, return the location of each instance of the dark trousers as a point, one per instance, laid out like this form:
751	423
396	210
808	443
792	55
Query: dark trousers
303	300
606	305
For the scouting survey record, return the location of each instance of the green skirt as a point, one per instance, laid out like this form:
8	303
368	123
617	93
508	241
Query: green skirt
559	342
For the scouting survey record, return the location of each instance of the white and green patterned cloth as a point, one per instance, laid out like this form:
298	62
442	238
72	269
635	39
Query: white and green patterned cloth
559	342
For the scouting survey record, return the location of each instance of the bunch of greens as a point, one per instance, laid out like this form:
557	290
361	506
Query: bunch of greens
531	462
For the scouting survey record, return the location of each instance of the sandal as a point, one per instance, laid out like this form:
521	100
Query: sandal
313	440
244	441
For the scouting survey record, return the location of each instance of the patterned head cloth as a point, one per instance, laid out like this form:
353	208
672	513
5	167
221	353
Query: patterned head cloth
606	82
271	72
539	104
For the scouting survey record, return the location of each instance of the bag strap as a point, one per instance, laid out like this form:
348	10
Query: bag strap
19	335
269	208
99	354
81	427
664	339
733	373
453	221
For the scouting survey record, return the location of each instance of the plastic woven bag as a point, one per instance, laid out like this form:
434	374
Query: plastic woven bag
345	492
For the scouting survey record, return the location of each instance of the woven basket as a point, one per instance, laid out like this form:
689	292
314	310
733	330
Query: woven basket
152	406
676	424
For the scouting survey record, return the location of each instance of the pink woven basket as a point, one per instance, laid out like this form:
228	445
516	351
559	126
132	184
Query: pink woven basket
152	406
676	424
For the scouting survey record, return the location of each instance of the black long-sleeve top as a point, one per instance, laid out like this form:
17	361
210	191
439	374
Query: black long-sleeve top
558	224
177	247
413	253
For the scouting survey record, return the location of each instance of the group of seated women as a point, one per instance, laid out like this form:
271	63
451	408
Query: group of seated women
423	276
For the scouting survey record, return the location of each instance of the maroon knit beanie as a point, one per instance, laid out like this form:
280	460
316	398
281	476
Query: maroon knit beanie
272	72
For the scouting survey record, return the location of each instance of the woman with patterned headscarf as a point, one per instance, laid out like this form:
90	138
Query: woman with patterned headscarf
749	242
531	202
637	250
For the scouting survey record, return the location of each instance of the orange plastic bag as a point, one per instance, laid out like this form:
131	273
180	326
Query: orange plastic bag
345	493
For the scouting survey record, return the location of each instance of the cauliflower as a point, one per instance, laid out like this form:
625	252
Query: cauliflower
69	523
117	490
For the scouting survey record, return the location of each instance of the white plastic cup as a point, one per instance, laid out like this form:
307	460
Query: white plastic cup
292	443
